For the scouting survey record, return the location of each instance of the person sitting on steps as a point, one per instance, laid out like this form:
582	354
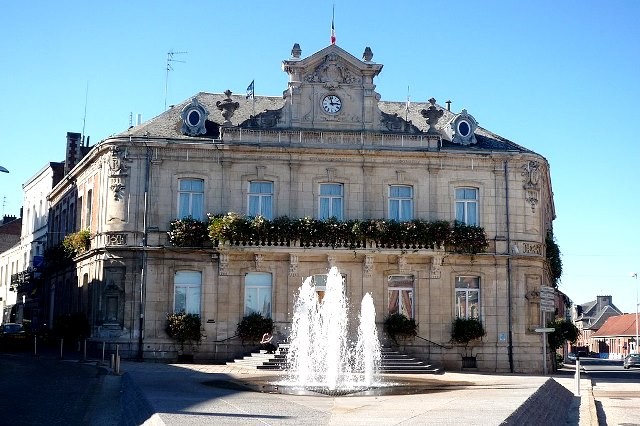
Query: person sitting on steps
266	343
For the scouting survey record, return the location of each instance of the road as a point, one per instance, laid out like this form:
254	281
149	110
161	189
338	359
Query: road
39	391
616	391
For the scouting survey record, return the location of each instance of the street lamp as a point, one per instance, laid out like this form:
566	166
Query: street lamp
2	169
635	275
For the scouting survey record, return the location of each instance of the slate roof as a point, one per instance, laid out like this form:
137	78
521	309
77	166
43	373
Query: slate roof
168	124
619	325
593	318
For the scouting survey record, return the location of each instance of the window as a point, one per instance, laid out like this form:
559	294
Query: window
257	293
88	207
320	283
187	286
401	295
191	198
467	297
260	199
330	201
467	205
400	202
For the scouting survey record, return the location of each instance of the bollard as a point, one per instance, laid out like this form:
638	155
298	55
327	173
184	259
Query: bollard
577	376
103	344
84	352
118	365
61	345
35	345
112	364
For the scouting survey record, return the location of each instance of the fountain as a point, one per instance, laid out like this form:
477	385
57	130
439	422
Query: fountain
321	356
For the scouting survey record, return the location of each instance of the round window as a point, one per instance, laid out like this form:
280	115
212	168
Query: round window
193	117
463	128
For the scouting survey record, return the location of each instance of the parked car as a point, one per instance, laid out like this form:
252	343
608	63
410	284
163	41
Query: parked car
12	335
632	360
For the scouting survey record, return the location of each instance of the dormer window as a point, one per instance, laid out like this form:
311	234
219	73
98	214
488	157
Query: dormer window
462	129
194	116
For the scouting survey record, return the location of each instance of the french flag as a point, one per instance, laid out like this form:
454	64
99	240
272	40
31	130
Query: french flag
333	30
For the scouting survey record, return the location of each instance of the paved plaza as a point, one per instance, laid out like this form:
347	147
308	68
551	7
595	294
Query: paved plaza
172	394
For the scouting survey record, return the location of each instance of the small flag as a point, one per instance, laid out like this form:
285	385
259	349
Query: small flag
406	107
333	30
250	90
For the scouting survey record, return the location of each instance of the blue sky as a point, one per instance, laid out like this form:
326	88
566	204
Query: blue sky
560	78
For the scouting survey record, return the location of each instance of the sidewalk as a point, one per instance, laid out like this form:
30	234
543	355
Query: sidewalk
176	394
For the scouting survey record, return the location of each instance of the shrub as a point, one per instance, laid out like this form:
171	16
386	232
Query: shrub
253	326
184	328
465	330
399	326
187	232
77	242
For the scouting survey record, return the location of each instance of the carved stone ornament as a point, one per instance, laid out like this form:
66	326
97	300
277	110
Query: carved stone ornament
367	55
118	172
296	51
194	116
331	260
436	266
293	265
531	174
368	265
433	115
264	120
395	123
223	264
463	129
228	108
259	259
402	264
332	72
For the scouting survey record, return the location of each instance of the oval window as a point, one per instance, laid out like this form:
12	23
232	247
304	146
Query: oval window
463	128
193	117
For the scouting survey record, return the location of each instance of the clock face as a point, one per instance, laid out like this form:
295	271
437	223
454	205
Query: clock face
331	104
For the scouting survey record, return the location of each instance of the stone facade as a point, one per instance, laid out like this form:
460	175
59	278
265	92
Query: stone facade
329	128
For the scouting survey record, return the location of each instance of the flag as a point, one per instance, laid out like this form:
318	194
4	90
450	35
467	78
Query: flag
333	30
250	90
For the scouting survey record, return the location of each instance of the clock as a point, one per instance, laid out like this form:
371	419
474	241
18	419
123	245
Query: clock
331	104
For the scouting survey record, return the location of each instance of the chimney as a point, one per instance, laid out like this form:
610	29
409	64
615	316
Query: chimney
74	153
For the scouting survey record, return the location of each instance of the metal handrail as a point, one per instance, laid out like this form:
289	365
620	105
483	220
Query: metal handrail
432	342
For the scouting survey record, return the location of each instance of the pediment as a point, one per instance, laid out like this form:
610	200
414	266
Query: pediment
332	66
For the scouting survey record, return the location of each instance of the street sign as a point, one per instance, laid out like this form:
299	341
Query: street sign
547	292
545	330
547	305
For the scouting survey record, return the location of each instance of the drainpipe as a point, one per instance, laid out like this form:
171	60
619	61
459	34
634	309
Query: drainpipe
143	275
506	192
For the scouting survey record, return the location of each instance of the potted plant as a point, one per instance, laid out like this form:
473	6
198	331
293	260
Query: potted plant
184	328
398	326
253	326
464	331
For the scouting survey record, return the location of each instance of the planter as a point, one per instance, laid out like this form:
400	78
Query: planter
185	358
469	362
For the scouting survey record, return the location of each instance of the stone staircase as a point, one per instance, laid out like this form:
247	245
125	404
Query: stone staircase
393	362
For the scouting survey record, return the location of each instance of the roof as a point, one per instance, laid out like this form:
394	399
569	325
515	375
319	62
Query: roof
619	325
329	68
168	124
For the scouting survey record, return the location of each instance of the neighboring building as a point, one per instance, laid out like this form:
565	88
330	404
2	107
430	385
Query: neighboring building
9	261
589	317
328	149
26	282
617	337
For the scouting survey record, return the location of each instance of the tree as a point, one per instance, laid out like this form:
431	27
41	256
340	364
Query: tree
565	331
